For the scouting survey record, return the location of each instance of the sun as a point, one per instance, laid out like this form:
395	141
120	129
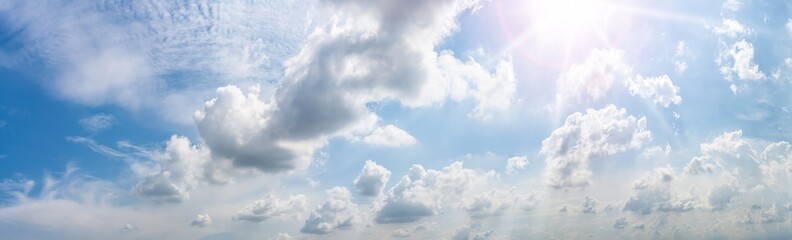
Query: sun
555	20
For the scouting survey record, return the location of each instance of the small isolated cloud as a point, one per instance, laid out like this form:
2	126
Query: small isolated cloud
516	162
592	79
390	136
202	220
271	206
589	205
98	122
281	236
732	5
471	233
740	55
680	67
620	223
585	136
789	26
732	28
681	49
338	212
659	89
372	179
409	231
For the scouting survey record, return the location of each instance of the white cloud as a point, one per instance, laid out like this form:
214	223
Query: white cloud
741	54
680	67
409	231
732	28
122	52
620	223
589	205
421	192
202	220
338	212
585	136
181	169
282	236
681	49
516	162
660	89
492	203
371	53
653	192
390	136
592	79
789	26
270	206
372	179
732	5
98	122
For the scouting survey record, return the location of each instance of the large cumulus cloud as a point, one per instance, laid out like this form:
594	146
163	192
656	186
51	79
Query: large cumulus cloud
586	136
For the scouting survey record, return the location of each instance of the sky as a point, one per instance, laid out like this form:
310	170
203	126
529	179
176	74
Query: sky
393	119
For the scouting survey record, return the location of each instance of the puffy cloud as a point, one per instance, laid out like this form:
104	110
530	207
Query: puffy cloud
592	79
409	231
466	233
372	179
390	136
653	192
492	203
338	212
789	25
271	206
698	165
98	122
732	28
516	162
181	169
589	205
420	192
659	89
741	55
202	220
359	57
620	223
722	195
680	67
585	136
281	236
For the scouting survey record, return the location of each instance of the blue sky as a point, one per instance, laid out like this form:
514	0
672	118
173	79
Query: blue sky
451	119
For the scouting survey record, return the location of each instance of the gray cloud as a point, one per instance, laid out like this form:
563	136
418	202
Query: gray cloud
372	179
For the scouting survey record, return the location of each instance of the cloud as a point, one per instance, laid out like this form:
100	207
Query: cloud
659	89
281	236
516	162
341	68
409	231
492	203
123	53
372	179
338	212
466	233
653	192
270	206
420	192
98	122
585	136
789	26
741	54
620	223
202	220
592	79
732	28
589	205
680	67
390	136
181	169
